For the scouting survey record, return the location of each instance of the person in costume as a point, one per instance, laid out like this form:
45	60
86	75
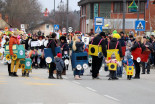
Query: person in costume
114	44
129	62
138	44
96	61
65	51
52	43
146	65
112	72
78	46
34	51
14	40
59	65
25	72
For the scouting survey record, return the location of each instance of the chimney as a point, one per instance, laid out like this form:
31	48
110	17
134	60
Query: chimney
6	18
0	16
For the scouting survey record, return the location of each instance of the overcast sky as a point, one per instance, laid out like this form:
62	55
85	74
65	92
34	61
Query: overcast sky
73	4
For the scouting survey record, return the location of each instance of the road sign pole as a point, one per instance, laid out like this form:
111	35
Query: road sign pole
124	12
138	15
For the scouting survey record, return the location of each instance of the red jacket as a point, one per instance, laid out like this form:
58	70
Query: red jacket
13	40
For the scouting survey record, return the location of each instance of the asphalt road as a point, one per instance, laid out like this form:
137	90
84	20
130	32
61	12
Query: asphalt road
38	89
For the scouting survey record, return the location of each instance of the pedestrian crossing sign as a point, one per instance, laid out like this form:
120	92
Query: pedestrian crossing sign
98	29
140	25
56	27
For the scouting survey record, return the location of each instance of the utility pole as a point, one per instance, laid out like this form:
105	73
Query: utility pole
67	16
138	15
54	13
124	12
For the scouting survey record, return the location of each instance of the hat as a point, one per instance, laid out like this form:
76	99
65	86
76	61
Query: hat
144	37
16	33
116	35
63	38
102	34
121	32
59	55
113	56
115	31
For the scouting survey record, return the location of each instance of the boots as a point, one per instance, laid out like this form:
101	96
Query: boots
61	76
23	75
15	74
57	74
27	74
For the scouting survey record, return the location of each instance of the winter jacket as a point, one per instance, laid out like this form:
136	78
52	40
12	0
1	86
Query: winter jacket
65	48
122	41
96	41
112	45
13	40
52	44
138	45
59	64
25	42
79	47
150	46
130	62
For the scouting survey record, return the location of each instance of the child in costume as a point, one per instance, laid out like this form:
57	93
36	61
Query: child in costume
59	65
25	72
112	72
14	40
129	67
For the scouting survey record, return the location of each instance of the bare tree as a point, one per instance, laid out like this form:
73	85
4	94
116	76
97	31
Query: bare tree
23	12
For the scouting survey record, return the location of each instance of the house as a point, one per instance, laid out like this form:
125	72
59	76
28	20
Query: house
4	23
112	11
45	27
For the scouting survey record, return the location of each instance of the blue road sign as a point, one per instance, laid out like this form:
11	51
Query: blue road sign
56	27
99	21
98	29
140	25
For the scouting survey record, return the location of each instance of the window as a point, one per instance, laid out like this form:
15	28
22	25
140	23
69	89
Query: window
91	11
47	26
118	7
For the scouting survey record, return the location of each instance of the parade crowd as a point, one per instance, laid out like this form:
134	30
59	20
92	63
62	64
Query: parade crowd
113	52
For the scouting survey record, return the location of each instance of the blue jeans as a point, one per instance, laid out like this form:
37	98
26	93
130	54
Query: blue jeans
119	71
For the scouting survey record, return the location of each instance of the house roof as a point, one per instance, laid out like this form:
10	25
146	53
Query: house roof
42	23
3	24
83	2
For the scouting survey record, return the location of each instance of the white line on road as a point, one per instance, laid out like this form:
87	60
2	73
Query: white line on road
75	82
111	97
90	89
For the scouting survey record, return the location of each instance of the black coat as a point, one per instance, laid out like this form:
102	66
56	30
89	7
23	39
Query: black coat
52	44
26	43
96	41
138	45
112	45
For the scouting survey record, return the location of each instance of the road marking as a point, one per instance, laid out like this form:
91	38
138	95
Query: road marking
46	84
75	82
3	83
90	89
111	97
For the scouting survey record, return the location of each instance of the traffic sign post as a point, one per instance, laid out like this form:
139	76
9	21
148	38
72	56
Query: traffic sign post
70	29
98	29
140	25
99	23
56	27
